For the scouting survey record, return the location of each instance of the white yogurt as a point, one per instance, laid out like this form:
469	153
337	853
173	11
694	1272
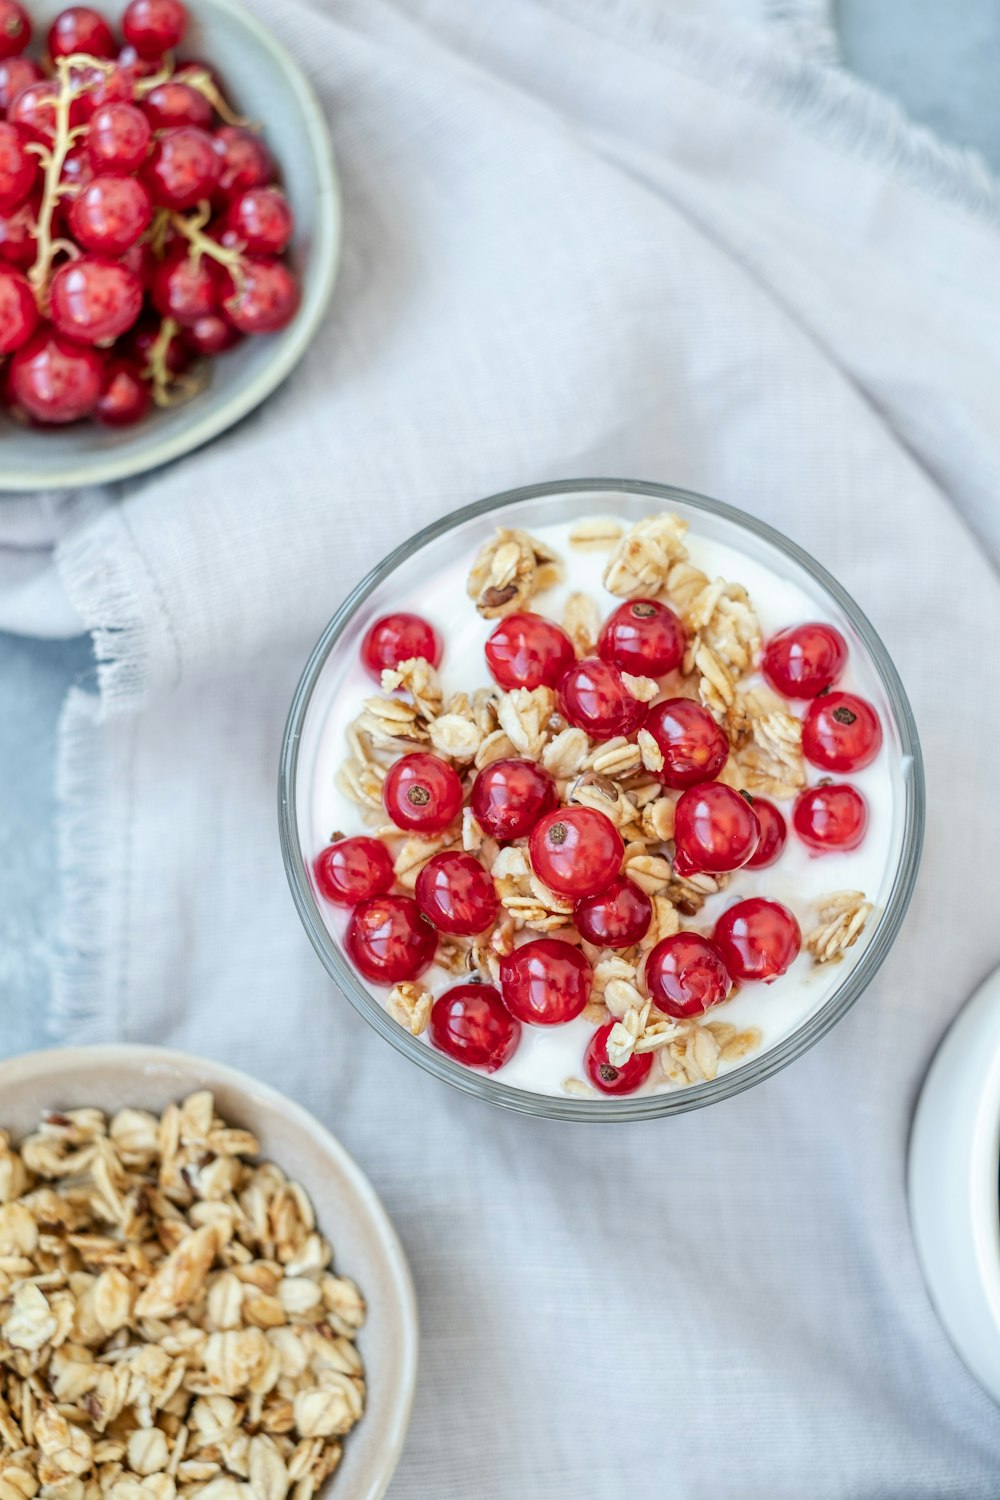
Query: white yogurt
547	1056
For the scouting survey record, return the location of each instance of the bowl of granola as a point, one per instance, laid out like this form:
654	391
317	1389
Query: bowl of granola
601	799
172	1316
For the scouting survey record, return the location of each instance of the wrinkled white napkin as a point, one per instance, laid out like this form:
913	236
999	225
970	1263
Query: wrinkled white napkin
584	237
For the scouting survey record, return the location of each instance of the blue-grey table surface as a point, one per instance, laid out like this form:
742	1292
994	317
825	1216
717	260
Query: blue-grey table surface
940	60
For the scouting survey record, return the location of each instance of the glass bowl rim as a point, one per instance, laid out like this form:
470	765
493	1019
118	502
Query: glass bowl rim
640	1106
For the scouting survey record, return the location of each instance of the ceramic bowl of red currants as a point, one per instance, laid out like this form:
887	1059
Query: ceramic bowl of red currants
475	873
169	231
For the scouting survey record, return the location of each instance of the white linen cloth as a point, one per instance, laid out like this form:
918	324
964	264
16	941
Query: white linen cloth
584	237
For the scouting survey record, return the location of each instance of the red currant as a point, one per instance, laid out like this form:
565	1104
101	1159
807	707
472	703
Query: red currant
153	27
80	29
758	939
95	300
526	650
15	28
422	793
509	796
18	169
183	167
389	939
693	747
18	312
263	299
457	894
396	638
94	86
576	851
685	975
471	1024
33	111
140	341
118	139
184	287
643	637
624	1079
174	103
125	397
593	696
616	917
773	833
259	220
830	817
76	173
211	334
545	982
110	214
245	161
17	238
15	74
715	830
351	870
841	732
802	661
54	380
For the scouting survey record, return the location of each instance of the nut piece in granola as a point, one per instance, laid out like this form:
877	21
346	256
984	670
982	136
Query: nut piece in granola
509	570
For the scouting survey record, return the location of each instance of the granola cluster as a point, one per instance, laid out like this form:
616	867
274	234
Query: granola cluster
617	776
170	1322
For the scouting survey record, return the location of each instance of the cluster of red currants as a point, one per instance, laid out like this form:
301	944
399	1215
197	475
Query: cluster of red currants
140	226
577	851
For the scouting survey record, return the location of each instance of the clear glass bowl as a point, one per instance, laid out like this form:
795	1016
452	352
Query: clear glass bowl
450	543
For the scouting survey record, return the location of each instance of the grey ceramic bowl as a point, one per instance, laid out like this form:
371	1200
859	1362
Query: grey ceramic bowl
365	1243
264	83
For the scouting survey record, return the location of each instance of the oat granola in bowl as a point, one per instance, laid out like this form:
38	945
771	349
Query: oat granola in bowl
174	1321
601	800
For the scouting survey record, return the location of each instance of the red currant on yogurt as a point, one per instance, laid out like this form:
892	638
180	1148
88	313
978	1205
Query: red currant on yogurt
803	660
841	732
643	637
352	869
593	696
526	650
15	28
773	834
686	976
422	793
153	27
109	214
118	138
715	830
80	29
455	893
53	379
399	637
389	939
471	1024
94	299
758	939
604	1075
509	796
545	982
693	746
616	917
18	312
830	817
18	169
183	167
576	851
125	397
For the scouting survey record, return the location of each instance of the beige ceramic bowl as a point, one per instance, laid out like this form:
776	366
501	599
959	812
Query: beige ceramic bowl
366	1247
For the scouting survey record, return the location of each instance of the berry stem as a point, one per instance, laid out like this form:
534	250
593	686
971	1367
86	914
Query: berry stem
202	244
169	389
53	158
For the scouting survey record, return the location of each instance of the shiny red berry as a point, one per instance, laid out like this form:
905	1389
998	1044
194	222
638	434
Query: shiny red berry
593	696
53	379
623	1079
758	939
841	732
616	917
109	214
576	851
509	796
685	975
422	793
139	345
399	637
153	27
264	298
174	103
693	747
773	834
118	139
94	300
388	939
15	74
94	86
833	817
471	1024
244	160
259	220
18	246
803	660
15	28
353	869
211	334
184	287
545	982
18	311
80	29
456	894
33	111
526	650
125	397
18	169
183	167
643	637
715	830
